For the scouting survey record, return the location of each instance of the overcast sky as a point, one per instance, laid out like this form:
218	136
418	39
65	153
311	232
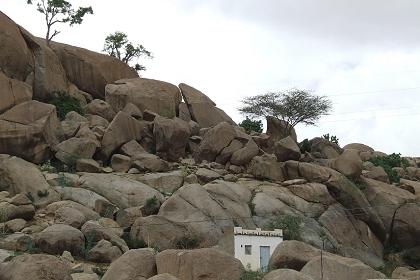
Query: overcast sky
364	54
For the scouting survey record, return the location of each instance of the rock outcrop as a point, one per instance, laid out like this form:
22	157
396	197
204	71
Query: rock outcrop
198	264
202	109
30	130
160	97
16	60
91	71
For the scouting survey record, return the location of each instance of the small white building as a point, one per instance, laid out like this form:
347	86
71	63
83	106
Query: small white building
254	247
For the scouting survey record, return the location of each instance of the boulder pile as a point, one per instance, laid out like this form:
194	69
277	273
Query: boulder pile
145	180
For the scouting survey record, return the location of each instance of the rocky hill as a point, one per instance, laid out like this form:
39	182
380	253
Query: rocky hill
105	175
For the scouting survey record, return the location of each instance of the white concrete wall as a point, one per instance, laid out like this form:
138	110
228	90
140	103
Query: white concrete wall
255	241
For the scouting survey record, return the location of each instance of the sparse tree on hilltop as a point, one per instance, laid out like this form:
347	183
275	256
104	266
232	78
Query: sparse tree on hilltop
117	45
293	106
59	11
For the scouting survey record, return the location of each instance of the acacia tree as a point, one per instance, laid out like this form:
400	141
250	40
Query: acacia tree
117	45
293	106
59	11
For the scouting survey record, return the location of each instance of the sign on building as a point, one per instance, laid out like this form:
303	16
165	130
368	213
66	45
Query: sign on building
254	247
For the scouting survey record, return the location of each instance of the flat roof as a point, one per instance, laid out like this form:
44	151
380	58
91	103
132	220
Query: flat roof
258	232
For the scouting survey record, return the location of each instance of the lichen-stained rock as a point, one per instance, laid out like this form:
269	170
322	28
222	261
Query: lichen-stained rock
103	252
183	112
69	216
73	149
149	162
235	198
16	59
286	149
171	137
192	203
30	130
288	274
18	176
121	130
266	167
120	163
406	227
52	208
94	232
337	267
167	182
323	148
277	130
215	140
245	154
164	276
10	211
123	192
158	231
348	163
100	108
134	264
160	97
49	75
351	237
58	238
202	109
91	71
343	190
35	267
293	254
12	92
199	264
380	194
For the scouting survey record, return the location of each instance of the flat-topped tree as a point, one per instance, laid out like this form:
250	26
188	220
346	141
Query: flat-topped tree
292	106
59	11
117	45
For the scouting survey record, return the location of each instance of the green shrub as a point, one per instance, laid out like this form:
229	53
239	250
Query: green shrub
252	207
151	206
4	217
30	196
90	242
133	243
187	242
248	274
305	146
290	226
185	171
332	138
62	180
389	162
358	182
43	193
64	104
251	125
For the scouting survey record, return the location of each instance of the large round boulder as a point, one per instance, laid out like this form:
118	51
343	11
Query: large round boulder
337	267
13	92
159	97
171	137
134	264
286	149
15	57
91	71
58	238
35	267
202	109
30	130
199	264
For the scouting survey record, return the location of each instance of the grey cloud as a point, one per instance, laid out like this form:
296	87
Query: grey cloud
385	23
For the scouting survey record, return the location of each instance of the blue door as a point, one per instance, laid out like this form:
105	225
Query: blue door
264	257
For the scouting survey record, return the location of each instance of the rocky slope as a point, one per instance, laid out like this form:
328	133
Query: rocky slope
148	182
